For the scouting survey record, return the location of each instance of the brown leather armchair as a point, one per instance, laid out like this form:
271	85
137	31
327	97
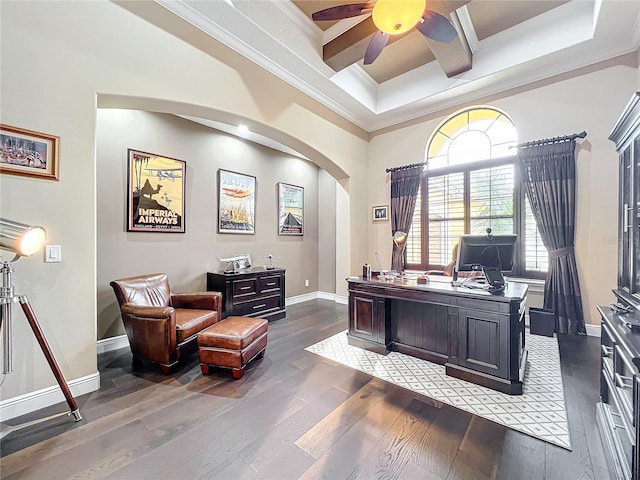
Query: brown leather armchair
162	327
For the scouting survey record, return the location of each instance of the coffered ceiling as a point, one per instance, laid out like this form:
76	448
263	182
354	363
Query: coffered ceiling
501	44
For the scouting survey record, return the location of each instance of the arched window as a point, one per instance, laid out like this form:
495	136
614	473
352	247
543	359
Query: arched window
470	186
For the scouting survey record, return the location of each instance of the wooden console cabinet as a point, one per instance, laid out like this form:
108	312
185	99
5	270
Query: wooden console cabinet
478	336
254	292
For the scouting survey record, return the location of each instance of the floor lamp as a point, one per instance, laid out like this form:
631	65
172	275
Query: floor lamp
25	240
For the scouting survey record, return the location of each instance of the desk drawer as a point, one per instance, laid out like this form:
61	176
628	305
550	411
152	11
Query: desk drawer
268	284
257	306
244	287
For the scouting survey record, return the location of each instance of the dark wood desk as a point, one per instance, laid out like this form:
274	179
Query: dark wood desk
478	336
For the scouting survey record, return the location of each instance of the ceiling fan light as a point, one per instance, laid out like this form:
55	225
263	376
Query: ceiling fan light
397	16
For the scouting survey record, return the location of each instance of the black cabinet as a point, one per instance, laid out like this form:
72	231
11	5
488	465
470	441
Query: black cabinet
626	135
254	292
617	413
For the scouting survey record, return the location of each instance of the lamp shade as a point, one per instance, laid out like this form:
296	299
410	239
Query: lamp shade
24	240
399	238
397	16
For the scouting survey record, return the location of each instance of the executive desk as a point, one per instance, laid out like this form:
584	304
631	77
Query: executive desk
478	336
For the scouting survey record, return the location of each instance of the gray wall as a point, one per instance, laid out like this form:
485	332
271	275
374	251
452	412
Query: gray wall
327	232
186	257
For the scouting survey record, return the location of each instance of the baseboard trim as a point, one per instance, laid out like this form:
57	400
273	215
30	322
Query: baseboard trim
30	402
112	343
314	296
593	330
301	298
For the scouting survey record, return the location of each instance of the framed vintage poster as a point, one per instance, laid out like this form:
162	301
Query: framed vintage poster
236	202
155	194
379	213
27	153
290	209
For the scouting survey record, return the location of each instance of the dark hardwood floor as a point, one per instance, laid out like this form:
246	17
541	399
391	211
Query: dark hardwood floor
295	415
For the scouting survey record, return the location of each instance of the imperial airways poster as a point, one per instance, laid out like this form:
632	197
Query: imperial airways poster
156	193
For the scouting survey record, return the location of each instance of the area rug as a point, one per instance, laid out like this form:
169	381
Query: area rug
539	412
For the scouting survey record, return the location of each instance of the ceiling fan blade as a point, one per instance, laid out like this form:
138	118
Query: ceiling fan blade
377	43
436	27
342	11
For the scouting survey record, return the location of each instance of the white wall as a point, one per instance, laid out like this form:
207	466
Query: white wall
564	105
76	55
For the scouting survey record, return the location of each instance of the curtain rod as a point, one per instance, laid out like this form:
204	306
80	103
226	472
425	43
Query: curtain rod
551	140
395	169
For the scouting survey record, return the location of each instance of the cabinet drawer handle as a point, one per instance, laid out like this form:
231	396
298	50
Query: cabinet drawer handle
620	381
245	288
606	351
620	354
271	284
259	306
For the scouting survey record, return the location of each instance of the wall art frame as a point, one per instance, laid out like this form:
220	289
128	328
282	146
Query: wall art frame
380	213
149	175
28	153
290	209
236	202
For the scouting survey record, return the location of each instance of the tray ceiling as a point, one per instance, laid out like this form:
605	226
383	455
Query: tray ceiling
500	45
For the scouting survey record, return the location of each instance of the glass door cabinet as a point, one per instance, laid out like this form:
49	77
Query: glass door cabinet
626	135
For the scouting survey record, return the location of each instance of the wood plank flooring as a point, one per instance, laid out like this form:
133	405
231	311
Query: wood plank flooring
295	415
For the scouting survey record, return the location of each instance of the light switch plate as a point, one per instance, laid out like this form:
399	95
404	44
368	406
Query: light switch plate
52	253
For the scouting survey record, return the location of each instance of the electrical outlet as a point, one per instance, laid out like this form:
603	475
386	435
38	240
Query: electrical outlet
306	283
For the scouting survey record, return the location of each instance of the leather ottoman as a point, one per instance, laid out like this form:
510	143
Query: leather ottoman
232	343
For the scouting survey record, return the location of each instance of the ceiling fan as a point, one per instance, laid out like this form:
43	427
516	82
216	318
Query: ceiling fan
393	17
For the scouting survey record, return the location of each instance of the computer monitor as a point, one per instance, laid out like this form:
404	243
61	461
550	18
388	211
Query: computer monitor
476	252
491	254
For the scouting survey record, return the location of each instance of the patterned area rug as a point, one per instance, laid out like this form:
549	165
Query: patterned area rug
540	411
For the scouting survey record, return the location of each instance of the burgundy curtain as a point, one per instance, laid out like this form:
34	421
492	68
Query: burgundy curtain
405	183
549	175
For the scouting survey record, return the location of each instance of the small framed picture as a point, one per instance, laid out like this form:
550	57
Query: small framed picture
380	213
236	202
27	153
290	209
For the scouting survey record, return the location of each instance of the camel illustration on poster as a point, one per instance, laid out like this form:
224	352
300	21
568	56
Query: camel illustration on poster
155	193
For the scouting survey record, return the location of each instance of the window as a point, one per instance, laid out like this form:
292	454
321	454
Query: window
471	185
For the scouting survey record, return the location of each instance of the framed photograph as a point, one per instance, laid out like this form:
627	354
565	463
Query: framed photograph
236	203
155	193
380	212
290	209
27	153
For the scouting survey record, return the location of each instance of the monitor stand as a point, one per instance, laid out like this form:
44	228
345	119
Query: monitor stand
494	278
